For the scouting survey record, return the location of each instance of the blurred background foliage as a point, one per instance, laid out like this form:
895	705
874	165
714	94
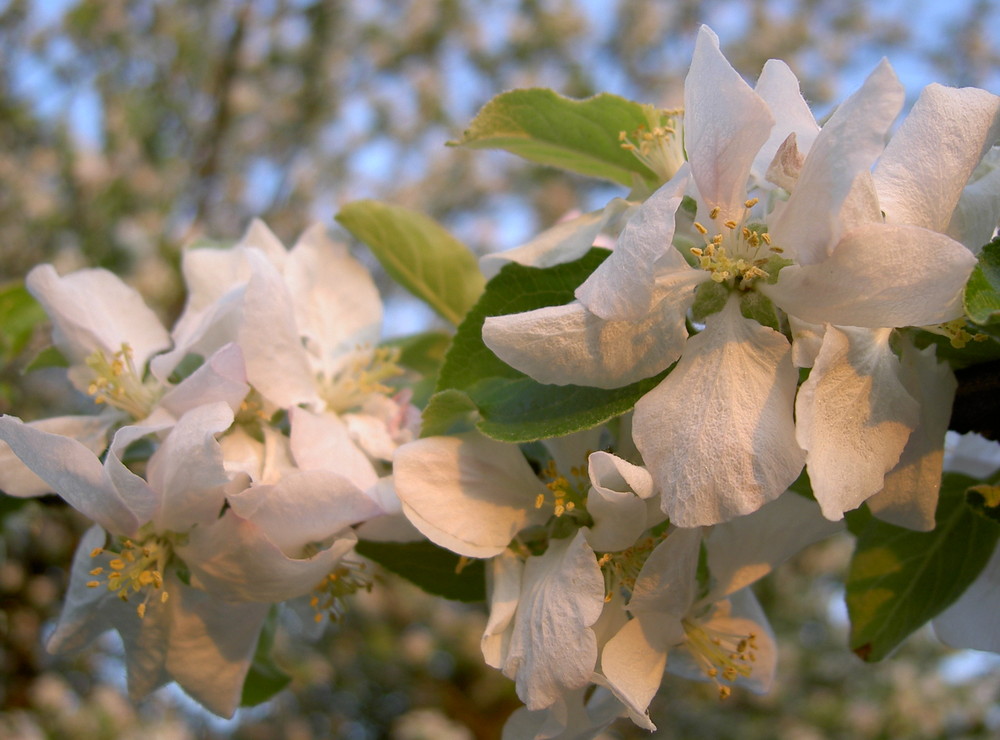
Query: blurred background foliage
129	128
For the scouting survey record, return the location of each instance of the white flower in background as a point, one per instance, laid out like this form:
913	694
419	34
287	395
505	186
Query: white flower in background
186	581
718	433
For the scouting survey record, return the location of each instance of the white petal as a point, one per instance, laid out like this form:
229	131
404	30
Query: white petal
910	494
322	442
187	470
634	659
275	358
744	550
971	622
222	377
854	417
619	519
930	158
552	647
806	341
504	584
304	506
623	286
17	479
809	226
718	434
725	125
667	583
260	237
568	345
570	718
337	306
566	241
779	88
477	492
878	276
74	472
93	310
212	643
978	212
234	560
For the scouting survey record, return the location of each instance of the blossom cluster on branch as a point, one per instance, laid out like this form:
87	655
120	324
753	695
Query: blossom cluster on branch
642	412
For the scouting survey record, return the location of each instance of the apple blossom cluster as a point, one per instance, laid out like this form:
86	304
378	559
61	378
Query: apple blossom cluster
231	457
641	412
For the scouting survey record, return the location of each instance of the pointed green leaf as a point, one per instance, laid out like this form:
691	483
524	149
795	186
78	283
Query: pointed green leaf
515	408
448	412
576	135
982	292
899	579
434	569
419	254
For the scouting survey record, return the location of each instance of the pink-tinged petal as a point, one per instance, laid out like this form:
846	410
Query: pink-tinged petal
234	560
736	617
260	237
806	341
188	472
971	622
667	584
17	479
854	417
566	241
337	306
568	345
725	125
978	212
552	647
930	159
212	643
718	433
744	550
222	377
810	224
623	287
577	715
910	495
304	506
276	361
504	585
323	442
93	310
634	659
474	491
879	275
779	88
73	471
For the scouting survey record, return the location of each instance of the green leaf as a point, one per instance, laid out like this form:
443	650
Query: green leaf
513	407
264	679
48	357
576	135
448	412
419	254
899	578
20	313
434	569
423	354
982	292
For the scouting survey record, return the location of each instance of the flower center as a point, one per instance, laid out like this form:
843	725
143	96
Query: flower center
723	656
361	376
118	383
657	144
622	568
567	496
133	569
330	595
739	251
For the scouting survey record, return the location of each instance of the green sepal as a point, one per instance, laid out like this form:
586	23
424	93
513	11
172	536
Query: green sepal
576	135
419	254
899	579
512	406
757	306
435	570
709	297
